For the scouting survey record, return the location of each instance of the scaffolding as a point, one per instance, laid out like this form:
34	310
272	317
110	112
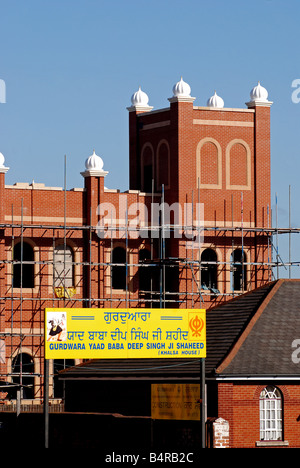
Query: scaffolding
16	302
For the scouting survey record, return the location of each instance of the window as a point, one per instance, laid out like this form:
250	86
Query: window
238	270
23	365
146	277
23	267
63	267
147	168
148	176
209	270
118	271
270	402
163	165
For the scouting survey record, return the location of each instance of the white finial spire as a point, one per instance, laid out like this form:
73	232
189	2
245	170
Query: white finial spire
181	89
215	101
259	96
94	166
139	101
181	92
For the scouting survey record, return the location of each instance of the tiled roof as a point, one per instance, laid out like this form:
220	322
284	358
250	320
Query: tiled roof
265	348
250	335
226	322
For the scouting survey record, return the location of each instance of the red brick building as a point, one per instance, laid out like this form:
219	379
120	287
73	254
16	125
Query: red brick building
253	361
192	230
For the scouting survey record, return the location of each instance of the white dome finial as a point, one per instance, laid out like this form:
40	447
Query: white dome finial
259	96
259	93
181	92
94	166
215	101
181	89
94	162
139	101
139	98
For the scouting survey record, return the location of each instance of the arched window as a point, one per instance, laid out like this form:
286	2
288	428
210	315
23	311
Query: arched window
209	270
148	277
23	266
163	165
145	272
238	270
147	168
209	164
270	406
23	374
238	165
63	267
118	271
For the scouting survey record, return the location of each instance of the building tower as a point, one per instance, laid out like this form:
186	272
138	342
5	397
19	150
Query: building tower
219	158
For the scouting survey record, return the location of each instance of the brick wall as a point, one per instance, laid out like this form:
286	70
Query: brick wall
240	138
238	403
221	158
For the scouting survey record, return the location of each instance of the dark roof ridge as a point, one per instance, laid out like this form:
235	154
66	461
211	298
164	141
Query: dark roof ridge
246	293
237	345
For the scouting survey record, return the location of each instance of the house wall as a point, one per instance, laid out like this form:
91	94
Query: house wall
238	403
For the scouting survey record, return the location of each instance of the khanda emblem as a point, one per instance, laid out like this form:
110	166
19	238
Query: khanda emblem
196	324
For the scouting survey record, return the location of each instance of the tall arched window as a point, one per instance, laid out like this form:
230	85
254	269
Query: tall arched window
23	374
146	277
23	266
118	271
63	267
163	165
270	406
145	272
238	270
147	168
209	269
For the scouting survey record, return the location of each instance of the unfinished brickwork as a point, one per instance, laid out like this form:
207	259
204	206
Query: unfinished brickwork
98	247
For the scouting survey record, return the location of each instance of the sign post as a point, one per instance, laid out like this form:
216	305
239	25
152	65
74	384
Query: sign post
203	403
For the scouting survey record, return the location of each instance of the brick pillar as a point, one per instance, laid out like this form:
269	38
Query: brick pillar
181	145
262	174
262	156
220	433
3	171
139	106
94	193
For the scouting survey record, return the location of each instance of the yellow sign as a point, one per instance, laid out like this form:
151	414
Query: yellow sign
65	292
124	333
175	401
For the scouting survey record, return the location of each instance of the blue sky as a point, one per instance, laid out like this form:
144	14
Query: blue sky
70	68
